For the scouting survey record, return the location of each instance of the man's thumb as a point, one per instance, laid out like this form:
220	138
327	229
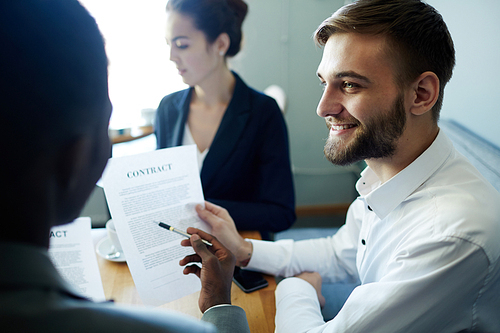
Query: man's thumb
199	247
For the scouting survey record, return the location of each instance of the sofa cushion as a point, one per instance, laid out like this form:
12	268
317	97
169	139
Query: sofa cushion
305	233
481	153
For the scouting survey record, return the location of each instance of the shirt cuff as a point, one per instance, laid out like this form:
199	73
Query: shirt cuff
294	285
297	306
270	257
217	306
227	318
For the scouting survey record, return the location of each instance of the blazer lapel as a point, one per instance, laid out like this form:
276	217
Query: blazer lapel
182	105
230	130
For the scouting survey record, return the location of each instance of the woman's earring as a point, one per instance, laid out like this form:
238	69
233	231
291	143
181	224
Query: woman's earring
221	53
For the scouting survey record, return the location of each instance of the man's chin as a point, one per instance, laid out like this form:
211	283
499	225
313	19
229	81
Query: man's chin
342	162
339	158
339	152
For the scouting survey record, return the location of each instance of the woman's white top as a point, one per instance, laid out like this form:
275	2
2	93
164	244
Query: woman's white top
187	139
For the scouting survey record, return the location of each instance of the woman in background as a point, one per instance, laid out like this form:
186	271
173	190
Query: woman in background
240	133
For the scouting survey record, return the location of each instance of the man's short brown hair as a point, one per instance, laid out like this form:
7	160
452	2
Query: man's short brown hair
418	39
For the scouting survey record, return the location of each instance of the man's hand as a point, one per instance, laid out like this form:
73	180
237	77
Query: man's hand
315	280
224	229
216	273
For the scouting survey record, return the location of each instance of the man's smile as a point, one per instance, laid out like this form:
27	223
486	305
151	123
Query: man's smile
342	127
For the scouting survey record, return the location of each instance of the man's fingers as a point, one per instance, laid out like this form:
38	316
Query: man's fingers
202	247
204	235
207	216
217	249
192	269
188	259
314	278
216	244
216	210
322	300
199	247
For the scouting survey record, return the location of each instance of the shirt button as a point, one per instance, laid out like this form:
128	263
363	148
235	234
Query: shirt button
370	209
363	242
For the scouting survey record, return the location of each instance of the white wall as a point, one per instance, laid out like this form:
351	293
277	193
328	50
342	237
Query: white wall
279	49
472	96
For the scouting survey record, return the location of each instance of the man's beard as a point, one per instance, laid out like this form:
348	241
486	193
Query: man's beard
376	139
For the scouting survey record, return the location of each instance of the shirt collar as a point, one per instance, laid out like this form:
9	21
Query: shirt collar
384	198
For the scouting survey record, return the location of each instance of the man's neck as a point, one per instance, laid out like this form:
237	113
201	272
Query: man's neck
33	231
410	147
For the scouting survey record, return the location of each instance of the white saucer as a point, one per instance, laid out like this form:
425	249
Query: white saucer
104	247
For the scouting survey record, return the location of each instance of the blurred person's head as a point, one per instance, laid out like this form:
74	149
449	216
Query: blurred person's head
55	109
202	33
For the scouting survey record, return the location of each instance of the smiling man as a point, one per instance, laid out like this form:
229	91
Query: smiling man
362	105
422	237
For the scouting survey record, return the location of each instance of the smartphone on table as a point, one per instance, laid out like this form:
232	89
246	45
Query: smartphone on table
248	281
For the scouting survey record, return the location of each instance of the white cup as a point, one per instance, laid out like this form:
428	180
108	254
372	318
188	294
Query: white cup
113	236
148	116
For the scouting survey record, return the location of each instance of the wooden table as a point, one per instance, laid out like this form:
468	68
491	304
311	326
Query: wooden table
258	305
130	134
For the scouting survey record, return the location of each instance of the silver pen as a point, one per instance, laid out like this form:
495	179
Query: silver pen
183	233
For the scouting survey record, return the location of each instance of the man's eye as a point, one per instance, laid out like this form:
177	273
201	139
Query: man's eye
323	85
349	85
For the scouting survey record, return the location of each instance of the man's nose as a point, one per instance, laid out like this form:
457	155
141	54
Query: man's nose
330	104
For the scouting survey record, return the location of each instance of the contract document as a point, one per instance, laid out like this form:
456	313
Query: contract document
143	190
72	252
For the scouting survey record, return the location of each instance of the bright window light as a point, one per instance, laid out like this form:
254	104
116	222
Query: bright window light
140	73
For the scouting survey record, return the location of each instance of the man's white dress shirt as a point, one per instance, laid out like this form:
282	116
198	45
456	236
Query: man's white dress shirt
425	246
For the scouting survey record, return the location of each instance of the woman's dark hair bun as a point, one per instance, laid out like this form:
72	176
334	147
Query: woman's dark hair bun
214	17
240	8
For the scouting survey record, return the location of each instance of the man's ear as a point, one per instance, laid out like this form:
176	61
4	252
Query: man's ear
425	92
73	179
73	159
